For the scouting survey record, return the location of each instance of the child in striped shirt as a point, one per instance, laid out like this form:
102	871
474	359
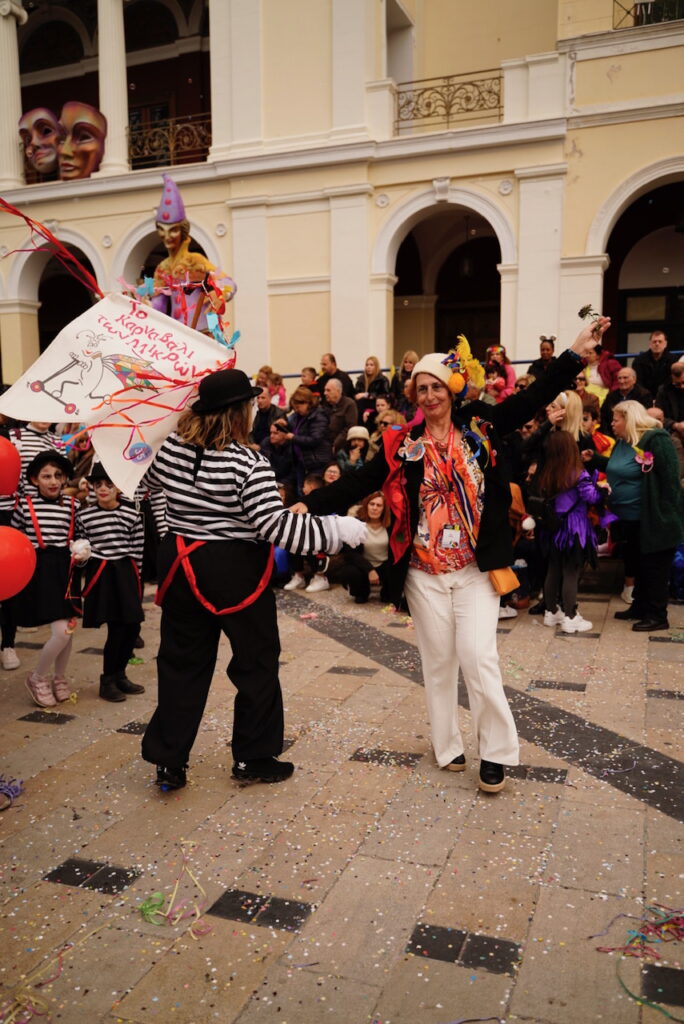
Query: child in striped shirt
112	589
48	520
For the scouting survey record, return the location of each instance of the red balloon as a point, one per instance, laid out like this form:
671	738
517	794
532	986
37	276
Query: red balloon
10	467
17	561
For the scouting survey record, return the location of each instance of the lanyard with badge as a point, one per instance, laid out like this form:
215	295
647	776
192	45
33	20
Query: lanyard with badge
455	495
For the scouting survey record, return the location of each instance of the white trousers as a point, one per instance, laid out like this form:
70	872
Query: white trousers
455	617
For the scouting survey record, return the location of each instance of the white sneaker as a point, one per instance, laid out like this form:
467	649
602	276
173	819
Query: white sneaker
319	582
554	618
296	583
9	658
506	612
576	624
627	594
40	688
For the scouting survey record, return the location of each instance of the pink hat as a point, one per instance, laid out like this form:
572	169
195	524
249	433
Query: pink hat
171	209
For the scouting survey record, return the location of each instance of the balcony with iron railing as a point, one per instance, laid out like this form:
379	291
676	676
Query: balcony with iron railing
439	104
169	141
653	12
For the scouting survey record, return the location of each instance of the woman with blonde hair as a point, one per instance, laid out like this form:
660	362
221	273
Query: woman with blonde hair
385	420
402	374
646	496
369	385
224	515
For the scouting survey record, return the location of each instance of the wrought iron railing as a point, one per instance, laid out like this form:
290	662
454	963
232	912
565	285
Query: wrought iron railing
432	103
176	140
626	15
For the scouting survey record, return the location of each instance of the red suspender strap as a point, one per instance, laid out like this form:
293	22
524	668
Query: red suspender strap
34	520
96	575
183	557
136	572
182	553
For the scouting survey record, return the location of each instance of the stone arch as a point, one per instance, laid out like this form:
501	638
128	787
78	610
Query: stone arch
195	18
413	210
46	15
134	247
663	172
27	269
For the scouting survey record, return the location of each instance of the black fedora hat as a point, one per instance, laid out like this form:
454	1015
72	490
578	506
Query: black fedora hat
97	472
47	458
223	388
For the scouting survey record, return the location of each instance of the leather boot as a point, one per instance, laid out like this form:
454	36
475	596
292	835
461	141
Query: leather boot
109	690
125	684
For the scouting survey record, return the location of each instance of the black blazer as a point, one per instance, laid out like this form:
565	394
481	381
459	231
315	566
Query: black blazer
494	548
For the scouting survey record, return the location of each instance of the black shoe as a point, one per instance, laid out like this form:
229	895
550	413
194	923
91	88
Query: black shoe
263	769
109	690
627	614
492	777
648	625
170	778
126	686
457	765
537	609
139	643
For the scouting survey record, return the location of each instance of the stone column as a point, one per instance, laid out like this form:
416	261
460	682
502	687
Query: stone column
350	279
235	67
113	85
11	161
349	40
19	341
249	312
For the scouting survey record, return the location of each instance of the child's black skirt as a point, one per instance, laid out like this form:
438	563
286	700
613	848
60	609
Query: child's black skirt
43	599
115	597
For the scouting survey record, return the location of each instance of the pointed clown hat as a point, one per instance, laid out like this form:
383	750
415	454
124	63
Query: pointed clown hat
457	369
171	209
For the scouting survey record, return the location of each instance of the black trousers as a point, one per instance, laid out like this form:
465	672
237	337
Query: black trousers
188	649
562	577
651	573
118	648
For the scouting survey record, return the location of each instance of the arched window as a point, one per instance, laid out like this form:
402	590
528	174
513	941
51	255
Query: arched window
148	24
51	45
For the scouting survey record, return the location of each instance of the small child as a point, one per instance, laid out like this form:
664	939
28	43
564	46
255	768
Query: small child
495	382
314	564
49	522
112	589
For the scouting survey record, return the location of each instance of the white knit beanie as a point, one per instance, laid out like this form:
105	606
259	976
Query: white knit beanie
432	364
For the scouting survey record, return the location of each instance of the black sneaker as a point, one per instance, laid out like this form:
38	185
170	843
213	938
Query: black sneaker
457	765
537	609
627	614
648	625
263	769
492	778
170	778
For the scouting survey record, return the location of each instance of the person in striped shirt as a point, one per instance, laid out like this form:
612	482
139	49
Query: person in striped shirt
112	591
224	516
49	523
30	441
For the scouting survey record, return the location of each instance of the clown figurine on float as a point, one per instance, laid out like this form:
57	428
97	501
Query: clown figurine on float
184	286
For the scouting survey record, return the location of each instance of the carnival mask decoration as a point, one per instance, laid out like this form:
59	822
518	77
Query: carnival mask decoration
172	224
83	130
39	133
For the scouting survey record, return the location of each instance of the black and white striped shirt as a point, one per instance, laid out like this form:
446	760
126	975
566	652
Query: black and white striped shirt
54	520
28	443
113	533
231	495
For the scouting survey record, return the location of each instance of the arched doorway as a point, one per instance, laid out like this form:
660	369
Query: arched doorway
644	283
62	298
448	282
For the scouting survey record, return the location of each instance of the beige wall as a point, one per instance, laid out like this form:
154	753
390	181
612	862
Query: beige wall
299	245
579	17
296	61
19	344
455	38
300	332
629	76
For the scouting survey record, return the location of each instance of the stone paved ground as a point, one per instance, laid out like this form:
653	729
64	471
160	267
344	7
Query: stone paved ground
372	888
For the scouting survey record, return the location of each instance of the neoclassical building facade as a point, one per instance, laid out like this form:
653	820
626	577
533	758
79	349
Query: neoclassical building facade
376	175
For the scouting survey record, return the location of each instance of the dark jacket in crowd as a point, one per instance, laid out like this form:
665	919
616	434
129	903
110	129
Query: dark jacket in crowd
538	368
653	373
671	400
282	461
637	394
263	418
494	547
340	418
311	443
